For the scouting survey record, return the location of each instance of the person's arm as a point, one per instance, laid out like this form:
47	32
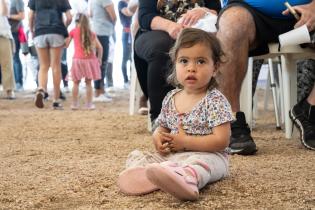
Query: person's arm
18	16
4	10
90	14
307	14
31	21
217	141
99	49
111	12
133	6
160	142
68	41
68	18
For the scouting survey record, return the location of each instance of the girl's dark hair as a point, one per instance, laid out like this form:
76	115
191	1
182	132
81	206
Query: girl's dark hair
85	33
190	37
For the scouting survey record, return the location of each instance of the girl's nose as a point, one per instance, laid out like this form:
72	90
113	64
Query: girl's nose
191	68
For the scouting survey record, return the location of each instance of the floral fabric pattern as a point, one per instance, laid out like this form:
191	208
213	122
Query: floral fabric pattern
173	9
209	112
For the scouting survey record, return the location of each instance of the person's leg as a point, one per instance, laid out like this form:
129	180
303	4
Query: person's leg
99	84
89	92
55	60
303	113
44	64
6	67
153	47
126	55
237	35
75	92
64	67
17	65
109	75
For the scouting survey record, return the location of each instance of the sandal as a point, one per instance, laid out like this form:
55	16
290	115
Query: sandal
133	181
39	98
174	180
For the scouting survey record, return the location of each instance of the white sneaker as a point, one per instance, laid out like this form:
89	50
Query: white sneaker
102	98
126	85
66	89
109	95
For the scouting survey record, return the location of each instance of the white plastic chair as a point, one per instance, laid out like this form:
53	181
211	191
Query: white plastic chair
288	55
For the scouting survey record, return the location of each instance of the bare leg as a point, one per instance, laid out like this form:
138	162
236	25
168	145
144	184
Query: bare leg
311	97
237	34
75	92
44	63
89	91
55	55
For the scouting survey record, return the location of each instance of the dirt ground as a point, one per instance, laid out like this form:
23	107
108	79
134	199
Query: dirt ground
71	159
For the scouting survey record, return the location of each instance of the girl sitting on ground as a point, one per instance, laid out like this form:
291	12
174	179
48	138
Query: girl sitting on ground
85	64
194	126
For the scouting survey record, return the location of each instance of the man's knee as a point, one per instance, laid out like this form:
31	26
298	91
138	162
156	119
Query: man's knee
236	23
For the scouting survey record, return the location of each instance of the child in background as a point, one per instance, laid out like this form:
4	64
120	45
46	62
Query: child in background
85	64
194	126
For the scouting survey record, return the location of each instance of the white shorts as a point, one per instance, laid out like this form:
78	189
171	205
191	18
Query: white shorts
49	40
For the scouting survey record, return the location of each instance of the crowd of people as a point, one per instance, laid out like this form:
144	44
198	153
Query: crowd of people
46	39
191	78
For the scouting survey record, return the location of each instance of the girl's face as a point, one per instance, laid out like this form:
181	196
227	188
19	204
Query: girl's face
194	67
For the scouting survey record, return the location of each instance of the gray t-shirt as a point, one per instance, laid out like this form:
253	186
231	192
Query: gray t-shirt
16	6
101	22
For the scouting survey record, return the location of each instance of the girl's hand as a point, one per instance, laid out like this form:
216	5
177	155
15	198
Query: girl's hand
176	141
161	143
174	29
192	16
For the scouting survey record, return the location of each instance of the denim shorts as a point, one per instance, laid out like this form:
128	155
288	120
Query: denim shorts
49	40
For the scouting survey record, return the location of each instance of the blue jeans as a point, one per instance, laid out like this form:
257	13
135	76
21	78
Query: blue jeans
17	65
104	40
126	37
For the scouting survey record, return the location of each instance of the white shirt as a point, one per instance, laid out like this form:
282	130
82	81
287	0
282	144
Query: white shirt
5	28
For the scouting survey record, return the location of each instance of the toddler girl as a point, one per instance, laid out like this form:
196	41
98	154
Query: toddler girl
85	64
194	126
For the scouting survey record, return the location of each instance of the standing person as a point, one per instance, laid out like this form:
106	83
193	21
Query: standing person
49	31
85	64
157	34
104	18
245	28
15	19
125	20
194	125
6	66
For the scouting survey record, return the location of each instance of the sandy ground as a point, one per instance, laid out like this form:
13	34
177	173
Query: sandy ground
71	160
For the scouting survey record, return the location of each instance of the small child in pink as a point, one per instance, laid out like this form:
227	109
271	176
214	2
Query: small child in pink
85	64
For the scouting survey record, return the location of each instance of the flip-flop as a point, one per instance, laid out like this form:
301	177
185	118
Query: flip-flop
133	181
173	180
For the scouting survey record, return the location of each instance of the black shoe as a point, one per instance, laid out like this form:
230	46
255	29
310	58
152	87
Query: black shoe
241	142
62	96
299	114
57	105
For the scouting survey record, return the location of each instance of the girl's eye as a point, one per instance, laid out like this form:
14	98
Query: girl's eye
183	60
201	61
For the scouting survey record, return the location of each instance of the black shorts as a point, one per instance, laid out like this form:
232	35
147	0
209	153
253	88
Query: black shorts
267	28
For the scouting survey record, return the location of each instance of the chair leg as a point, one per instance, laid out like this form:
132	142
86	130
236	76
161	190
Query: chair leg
273	89
289	94
246	98
134	95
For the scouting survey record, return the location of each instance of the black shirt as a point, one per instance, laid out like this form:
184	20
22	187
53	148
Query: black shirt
48	16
